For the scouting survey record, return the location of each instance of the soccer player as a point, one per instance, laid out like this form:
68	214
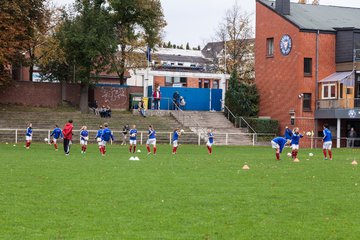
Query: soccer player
288	133
67	133
210	141
151	139
278	144
106	136
84	137
295	142
28	136
56	134
176	135
98	137
133	134
327	139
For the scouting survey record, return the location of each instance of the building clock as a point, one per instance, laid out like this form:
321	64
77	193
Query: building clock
285	45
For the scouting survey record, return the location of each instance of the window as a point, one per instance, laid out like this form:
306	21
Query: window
206	83
341	90
180	64
328	91
200	83
170	81
307	66
270	47
215	84
307	102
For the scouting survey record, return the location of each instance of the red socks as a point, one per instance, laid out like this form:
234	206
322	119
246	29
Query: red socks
130	148
134	149
154	150
174	149
330	154
28	144
83	148
148	148
100	149
324	151
277	156
55	146
209	149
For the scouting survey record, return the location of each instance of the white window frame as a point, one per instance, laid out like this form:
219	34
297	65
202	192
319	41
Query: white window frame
329	85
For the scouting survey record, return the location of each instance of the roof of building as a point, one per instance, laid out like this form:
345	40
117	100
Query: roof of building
212	49
180	58
320	17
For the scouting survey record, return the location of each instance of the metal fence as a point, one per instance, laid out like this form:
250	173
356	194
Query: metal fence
39	135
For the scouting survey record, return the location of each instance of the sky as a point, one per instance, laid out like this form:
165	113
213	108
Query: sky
196	21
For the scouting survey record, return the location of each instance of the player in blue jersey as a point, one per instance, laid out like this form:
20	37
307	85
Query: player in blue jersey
98	137
28	136
288	133
278	144
56	134
151	139
210	141
176	134
106	137
133	135
84	137
295	138
327	139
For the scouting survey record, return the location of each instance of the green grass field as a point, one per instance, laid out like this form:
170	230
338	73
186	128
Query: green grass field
45	195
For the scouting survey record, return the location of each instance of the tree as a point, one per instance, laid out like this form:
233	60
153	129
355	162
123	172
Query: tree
84	42
138	25
169	45
242	98
187	46
18	21
235	32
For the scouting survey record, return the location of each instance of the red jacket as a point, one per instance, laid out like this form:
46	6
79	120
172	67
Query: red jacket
67	131
155	94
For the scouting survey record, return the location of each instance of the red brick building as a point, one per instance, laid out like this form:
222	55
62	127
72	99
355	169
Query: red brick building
304	65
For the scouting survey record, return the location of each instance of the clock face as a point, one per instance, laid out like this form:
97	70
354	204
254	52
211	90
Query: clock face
285	45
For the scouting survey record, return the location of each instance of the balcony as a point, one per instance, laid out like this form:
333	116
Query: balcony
349	103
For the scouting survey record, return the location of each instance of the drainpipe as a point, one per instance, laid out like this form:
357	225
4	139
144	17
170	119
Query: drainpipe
317	79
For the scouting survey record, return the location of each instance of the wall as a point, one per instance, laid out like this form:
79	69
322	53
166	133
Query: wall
40	94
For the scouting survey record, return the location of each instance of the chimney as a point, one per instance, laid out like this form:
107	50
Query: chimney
283	7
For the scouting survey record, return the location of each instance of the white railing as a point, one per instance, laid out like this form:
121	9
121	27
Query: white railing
18	135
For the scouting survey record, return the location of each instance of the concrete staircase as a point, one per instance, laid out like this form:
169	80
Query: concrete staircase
224	131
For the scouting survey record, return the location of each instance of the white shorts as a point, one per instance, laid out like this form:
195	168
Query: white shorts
327	145
54	140
83	142
275	145
133	142
295	146
151	141
28	138
175	143
103	143
209	144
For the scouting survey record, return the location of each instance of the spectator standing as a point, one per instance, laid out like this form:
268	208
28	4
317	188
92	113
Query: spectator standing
157	98
176	100
182	103
68	133
141	107
125	132
351	137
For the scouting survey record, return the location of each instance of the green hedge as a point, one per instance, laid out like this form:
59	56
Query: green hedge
261	125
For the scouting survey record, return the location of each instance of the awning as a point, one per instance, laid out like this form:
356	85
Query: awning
344	77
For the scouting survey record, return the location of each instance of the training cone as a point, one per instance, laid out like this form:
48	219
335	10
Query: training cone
354	162
245	167
131	158
136	159
138	150
296	160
